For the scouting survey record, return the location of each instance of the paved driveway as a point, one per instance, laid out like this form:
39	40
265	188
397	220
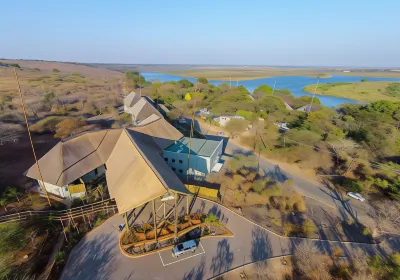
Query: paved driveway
97	256
314	190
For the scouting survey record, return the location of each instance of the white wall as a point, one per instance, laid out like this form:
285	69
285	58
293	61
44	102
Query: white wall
53	189
199	166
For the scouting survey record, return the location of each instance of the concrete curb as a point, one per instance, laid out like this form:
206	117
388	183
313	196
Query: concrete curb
230	234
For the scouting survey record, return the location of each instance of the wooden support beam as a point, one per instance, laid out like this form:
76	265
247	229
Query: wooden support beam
154	219
176	217
187	205
126	220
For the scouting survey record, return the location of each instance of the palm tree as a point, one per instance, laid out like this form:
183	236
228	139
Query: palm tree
101	190
4	202
12	192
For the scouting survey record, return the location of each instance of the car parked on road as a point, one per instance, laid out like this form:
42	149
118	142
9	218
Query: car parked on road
356	196
183	248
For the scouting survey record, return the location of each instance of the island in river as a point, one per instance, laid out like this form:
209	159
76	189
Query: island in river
366	91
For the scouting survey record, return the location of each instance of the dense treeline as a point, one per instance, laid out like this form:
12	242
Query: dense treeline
360	141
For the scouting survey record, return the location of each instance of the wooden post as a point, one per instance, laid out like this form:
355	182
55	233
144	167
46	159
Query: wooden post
176	217
65	235
126	220
154	219
187	205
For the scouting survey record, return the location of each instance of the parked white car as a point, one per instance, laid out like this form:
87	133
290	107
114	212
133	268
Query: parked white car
183	248
356	196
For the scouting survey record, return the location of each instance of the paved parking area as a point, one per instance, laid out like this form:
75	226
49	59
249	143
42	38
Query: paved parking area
167	258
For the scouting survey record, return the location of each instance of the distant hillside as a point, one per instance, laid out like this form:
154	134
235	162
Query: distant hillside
67	68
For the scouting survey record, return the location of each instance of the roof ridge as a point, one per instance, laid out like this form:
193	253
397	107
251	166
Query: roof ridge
158	175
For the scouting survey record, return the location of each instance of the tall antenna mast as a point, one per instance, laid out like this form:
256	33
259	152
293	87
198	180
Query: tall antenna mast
312	99
30	137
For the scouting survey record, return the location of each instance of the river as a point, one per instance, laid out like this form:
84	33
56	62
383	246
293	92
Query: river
294	83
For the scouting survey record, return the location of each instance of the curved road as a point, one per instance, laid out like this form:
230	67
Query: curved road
97	256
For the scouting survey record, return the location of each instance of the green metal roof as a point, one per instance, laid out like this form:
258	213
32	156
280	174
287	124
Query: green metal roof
201	147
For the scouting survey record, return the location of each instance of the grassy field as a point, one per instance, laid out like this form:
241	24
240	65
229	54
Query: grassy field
361	91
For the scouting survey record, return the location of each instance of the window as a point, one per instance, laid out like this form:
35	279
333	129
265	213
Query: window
173	168
96	172
173	160
166	159
180	161
180	171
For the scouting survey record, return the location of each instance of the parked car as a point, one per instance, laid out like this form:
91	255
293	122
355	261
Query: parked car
356	196
183	248
220	133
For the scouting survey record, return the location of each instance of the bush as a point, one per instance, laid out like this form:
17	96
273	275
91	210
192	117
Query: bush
59	257
308	227
55	70
273	190
259	186
352	185
211	218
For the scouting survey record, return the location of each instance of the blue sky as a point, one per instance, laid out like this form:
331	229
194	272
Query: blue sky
292	32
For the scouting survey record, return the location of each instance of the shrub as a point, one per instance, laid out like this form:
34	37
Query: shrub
308	227
211	218
352	185
273	190
55	70
259	185
59	257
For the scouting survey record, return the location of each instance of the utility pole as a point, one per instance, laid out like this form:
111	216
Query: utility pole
312	99
30	137
273	90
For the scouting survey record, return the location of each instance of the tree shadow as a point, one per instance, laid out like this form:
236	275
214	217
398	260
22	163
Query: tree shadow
197	274
223	259
215	210
260	245
276	174
94	259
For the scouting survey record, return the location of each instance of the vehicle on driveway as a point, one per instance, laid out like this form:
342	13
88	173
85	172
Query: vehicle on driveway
356	196
183	248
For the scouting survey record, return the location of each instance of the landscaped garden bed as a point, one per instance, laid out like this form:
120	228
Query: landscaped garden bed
140	239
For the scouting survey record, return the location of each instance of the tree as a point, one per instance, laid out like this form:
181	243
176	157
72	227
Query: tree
4	203
48	98
236	126
263	89
308	262
185	83
101	190
202	80
67	127
11	193
364	80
